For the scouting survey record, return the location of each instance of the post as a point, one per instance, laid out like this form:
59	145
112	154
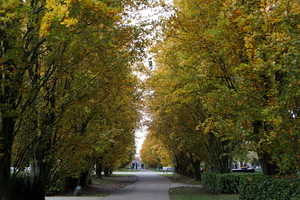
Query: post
78	191
174	159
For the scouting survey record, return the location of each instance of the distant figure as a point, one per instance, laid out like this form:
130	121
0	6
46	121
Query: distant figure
132	166
142	165
136	165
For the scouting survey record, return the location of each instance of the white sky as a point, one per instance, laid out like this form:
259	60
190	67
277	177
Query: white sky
140	134
149	14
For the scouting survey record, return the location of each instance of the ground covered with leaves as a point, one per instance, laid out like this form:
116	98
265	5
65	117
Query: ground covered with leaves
104	186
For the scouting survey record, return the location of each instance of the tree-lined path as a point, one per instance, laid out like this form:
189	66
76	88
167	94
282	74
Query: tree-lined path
149	187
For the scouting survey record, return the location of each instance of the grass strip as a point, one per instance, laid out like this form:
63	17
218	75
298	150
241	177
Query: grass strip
194	193
191	193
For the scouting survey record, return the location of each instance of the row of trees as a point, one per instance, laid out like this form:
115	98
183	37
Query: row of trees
227	81
68	96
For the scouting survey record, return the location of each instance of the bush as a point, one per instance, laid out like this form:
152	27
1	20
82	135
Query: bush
55	188
227	183
21	187
254	187
209	181
221	183
296	195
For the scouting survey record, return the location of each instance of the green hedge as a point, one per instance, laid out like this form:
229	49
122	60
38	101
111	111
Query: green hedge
221	183
256	187
228	183
209	181
253	186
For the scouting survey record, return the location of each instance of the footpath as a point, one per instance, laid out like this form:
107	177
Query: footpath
150	186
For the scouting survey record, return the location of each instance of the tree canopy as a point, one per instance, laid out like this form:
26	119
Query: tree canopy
232	67
68	92
225	82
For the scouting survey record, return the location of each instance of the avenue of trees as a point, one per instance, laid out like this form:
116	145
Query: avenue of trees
227	82
68	94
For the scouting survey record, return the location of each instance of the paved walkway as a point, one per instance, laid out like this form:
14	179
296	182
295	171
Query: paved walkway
74	198
150	186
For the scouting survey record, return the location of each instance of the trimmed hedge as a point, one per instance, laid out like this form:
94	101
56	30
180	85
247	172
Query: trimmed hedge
253	186
209	181
268	188
228	183
221	183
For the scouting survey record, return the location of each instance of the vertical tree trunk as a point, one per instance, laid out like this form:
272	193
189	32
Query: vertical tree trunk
268	168
265	158
197	170
106	171
37	185
83	178
99	170
6	142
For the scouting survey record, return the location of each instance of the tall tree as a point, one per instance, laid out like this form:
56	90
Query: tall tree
241	50
52	52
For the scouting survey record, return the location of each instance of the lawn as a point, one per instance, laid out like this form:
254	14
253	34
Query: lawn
194	193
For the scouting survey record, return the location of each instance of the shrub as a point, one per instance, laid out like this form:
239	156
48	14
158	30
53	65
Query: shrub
296	195
268	188
56	187
209	181
220	183
21	187
253	186
227	183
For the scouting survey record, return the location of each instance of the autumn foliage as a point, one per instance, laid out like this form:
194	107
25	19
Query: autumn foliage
227	81
68	94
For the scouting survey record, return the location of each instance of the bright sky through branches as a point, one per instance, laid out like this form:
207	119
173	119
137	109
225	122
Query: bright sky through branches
151	16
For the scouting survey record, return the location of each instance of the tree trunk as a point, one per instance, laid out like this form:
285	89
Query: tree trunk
83	178
106	171
197	170
268	168
6	142
99	170
37	190
265	158
40	167
38	178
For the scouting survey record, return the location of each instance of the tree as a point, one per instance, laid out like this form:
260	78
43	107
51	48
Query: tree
241	55
153	153
52	54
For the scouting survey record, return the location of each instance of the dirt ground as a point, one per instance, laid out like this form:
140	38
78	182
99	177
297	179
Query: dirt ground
104	187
